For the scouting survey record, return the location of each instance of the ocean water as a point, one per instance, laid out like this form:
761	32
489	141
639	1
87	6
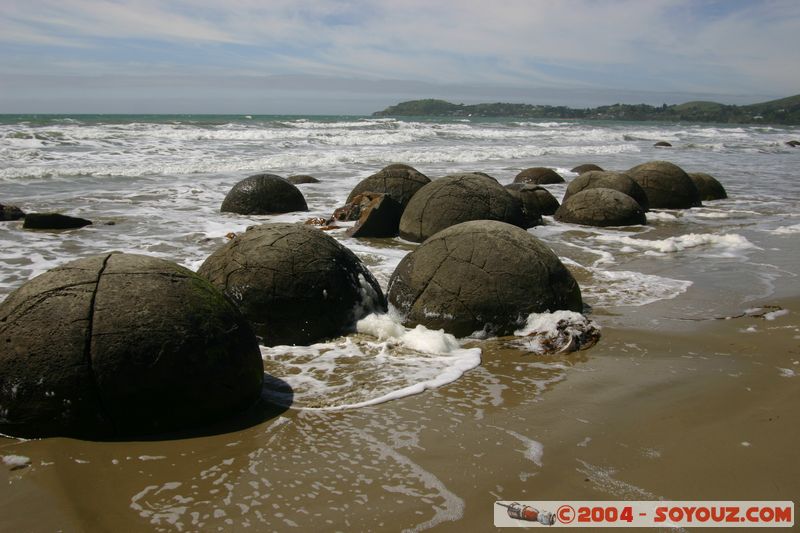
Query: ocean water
161	180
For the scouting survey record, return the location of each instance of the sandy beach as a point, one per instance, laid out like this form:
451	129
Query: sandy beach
707	411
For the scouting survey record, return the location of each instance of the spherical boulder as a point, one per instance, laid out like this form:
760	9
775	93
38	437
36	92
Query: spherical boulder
400	182
263	194
667	186
481	275
294	283
122	345
535	196
300	179
601	207
580	169
458	198
538	176
608	180
708	186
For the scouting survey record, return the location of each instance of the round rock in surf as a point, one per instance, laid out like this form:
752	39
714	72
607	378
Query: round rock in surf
263	194
586	167
301	179
539	176
609	180
398	181
601	207
10	212
534	197
294	283
122	345
708	186
458	198
667	186
481	276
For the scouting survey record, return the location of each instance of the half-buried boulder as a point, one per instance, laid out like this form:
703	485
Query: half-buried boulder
662	144
53	221
263	194
609	180
580	169
601	207
538	176
481	276
458	198
10	212
531	208
400	182
379	218
122	345
300	179
294	283
667	186
535	196
708	186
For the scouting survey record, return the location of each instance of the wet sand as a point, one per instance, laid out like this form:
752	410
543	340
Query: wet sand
703	410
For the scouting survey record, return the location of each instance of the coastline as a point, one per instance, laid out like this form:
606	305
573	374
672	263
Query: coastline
641	415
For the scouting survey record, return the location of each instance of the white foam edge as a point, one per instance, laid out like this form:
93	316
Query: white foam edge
386	327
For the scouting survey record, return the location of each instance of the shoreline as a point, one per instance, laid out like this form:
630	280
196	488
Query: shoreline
641	415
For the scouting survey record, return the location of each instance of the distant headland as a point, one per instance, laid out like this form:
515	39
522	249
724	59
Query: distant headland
782	111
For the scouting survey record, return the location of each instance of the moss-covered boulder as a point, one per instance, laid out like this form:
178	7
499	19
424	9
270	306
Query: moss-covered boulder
667	186
122	345
458	198
294	283
601	207
481	276
538	176
399	181
535	196
263	194
609	180
708	186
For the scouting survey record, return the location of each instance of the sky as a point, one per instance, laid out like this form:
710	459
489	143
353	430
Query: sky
359	56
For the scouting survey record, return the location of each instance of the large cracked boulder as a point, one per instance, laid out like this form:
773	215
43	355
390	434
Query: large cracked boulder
667	186
458	198
122	345
534	196
601	207
294	283
538	176
481	276
400	182
708	186
608	180
263	194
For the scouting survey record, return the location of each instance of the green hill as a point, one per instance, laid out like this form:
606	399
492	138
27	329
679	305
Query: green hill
782	111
